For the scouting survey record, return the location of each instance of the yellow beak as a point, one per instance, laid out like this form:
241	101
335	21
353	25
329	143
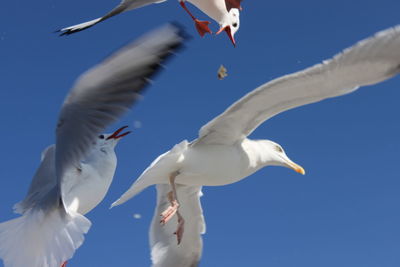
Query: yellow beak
296	167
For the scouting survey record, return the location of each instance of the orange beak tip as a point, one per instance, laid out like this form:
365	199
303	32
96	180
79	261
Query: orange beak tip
301	170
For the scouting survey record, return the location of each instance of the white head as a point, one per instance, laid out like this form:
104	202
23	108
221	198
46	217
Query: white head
273	154
107	142
230	24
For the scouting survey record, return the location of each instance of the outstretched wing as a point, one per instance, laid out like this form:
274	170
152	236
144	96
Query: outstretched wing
164	249
105	92
125	5
368	62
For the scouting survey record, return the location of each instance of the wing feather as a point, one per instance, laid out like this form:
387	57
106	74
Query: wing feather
107	91
125	5
368	62
164	249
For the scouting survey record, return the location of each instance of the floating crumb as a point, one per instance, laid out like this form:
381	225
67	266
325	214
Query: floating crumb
137	216
222	72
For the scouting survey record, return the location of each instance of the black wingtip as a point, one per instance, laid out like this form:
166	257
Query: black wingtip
61	32
69	31
173	48
168	53
182	30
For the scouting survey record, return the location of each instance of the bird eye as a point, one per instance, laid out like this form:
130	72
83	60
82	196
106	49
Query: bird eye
279	149
234	24
101	136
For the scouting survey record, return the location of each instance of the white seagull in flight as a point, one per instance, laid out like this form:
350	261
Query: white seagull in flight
223	153
224	12
75	173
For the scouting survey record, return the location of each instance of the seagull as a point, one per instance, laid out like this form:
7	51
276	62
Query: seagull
224	12
164	250
86	187
75	173
223	153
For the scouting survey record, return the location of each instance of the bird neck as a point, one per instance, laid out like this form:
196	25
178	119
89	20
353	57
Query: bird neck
103	160
258	154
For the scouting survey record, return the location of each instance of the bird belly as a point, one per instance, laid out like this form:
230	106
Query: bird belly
86	195
215	9
211	165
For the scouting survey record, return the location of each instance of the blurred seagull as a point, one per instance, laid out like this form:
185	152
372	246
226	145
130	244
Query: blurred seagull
222	154
225	12
76	172
165	252
86	187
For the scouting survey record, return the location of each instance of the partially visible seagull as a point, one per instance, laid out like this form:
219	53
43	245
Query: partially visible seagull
224	12
75	172
85	188
222	154
165	252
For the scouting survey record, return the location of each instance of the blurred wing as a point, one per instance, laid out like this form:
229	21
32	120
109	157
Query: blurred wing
368	62
42	184
233	4
107	91
125	5
164	249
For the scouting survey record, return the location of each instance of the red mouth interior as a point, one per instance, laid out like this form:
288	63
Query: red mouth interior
227	29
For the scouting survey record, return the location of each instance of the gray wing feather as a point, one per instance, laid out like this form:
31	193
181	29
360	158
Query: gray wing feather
368	62
164	249
43	184
107	91
125	5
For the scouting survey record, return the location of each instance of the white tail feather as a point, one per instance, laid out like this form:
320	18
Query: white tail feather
39	239
157	173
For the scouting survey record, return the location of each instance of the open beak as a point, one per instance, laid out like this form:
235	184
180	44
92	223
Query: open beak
228	31
295	167
117	135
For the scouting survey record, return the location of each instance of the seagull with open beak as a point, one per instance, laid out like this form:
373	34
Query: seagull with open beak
225	12
76	172
92	179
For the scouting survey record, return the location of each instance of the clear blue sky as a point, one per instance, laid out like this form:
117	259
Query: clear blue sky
344	212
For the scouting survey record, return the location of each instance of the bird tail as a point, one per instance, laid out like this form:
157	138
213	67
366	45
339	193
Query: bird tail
165	252
42	239
157	172
79	27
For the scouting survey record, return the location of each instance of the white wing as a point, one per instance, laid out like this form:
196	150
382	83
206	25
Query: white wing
368	62
107	91
42	183
164	249
125	5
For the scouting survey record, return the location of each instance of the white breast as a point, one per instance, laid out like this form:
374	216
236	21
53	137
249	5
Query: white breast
91	187
212	165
